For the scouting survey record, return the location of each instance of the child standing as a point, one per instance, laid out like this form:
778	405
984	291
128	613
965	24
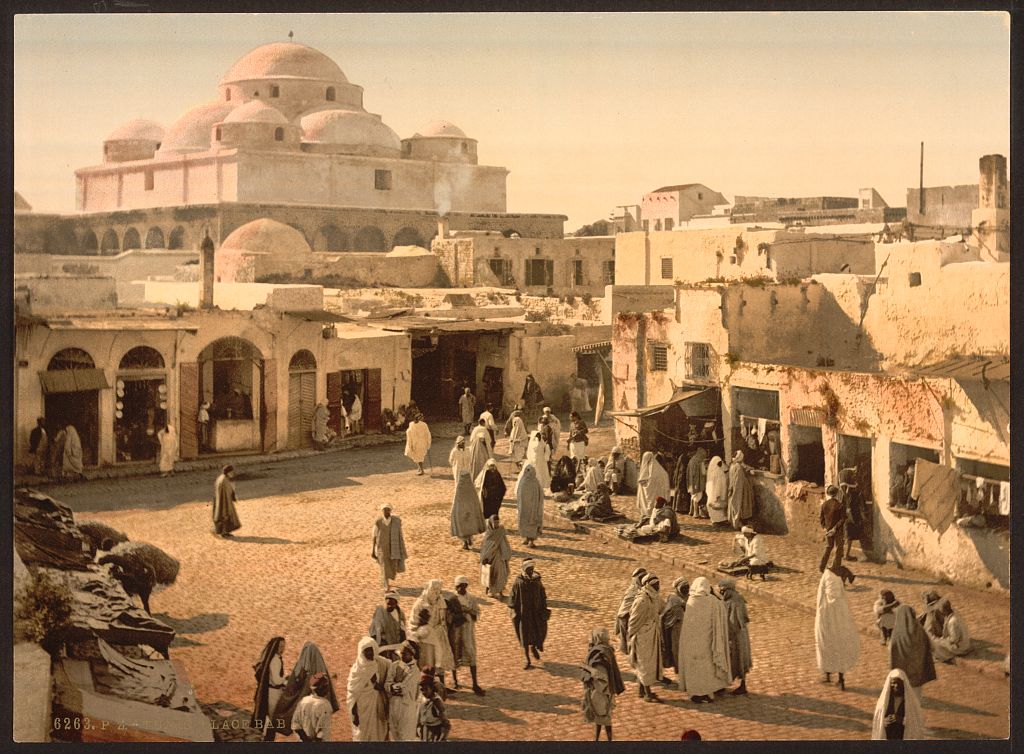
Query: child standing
885	613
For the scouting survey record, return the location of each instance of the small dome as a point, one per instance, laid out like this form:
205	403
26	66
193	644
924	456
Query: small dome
440	128
139	129
284	60
191	132
267	236
349	128
256	111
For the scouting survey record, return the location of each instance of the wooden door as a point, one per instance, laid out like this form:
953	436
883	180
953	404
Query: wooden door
188	403
268	416
301	398
372	402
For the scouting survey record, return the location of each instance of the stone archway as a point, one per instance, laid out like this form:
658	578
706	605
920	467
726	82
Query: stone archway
155	239
111	244
369	238
407	237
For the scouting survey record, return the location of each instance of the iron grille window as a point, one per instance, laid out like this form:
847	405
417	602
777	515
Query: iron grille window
698	360
666	268
577	272
609	272
502	269
540	272
659	357
382	180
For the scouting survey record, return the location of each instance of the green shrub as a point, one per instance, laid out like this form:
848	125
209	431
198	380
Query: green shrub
42	612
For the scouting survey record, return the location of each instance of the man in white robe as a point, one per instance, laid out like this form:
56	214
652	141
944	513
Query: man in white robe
836	641
467	409
517	438
458	459
168	439
652	483
529	504
556	430
366	693
467	516
402	686
487	417
72	464
417	442
705	650
717	492
479	449
312	718
537	455
355	416
643	638
593	476
463	637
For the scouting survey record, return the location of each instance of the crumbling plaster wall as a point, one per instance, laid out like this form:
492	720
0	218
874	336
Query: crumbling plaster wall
549	358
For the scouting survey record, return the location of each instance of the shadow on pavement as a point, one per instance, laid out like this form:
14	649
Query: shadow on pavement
568	605
522	701
264	540
814	713
197	624
579	553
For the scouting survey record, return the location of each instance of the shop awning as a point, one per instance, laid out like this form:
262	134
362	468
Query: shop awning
72	380
682	396
601	345
807	417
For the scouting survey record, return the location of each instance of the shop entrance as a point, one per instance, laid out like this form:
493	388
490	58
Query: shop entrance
301	399
140	408
231	379
71	388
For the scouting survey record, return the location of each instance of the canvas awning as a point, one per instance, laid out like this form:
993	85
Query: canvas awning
72	380
601	345
682	396
807	417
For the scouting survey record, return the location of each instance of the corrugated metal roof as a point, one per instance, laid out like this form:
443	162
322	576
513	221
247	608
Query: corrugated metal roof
72	380
807	417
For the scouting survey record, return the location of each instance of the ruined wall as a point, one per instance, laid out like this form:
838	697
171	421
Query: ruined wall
948	206
56	294
549	358
456	258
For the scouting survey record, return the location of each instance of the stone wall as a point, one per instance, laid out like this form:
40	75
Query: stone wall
53	294
33	691
948	206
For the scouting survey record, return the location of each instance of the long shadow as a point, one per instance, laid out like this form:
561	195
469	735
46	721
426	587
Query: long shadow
485	711
981	650
886	579
768	709
522	701
182	641
581	553
197	624
264	540
563	669
957	735
568	605
940	705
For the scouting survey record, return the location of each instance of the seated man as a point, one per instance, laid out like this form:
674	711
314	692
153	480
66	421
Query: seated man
753	557
615	470
662	524
593	506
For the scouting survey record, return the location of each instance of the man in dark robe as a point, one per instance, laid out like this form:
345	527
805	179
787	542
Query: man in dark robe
622	616
297	685
388	624
696	480
739	637
741	493
528	606
269	671
225	515
532	396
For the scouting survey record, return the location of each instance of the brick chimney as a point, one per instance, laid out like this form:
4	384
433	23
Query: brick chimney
206	273
443	226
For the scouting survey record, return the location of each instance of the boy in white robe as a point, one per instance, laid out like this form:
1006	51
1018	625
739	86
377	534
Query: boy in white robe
417	442
402	686
312	718
837	642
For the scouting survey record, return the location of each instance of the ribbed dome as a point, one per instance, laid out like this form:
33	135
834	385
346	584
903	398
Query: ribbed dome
256	111
349	128
284	60
191	132
265	235
441	128
139	129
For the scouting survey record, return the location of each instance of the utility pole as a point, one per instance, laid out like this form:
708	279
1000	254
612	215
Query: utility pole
920	196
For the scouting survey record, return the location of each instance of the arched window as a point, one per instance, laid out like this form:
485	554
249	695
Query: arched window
302	361
369	238
71	358
142	357
256	93
330	238
330	94
217	134
278	134
408	237
110	242
177	239
275	91
227	95
131	240
155	239
90	244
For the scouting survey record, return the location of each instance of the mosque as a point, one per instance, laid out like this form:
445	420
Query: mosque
286	139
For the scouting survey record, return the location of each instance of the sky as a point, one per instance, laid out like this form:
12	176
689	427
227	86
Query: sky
587	111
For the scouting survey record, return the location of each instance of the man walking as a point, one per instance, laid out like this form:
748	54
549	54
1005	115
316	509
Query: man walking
462	633
528	607
417	441
467	409
487	417
388	624
833	522
644	636
39	447
225	515
388	546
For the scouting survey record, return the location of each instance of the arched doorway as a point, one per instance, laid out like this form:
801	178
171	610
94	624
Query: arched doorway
131	240
301	399
231	380
369	238
140	407
407	237
71	385
90	244
155	239
330	238
177	238
111	244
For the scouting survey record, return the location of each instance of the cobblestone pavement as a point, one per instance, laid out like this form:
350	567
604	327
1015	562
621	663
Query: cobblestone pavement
301	567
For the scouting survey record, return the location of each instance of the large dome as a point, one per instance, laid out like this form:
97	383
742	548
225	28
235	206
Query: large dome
284	60
440	128
268	236
191	132
351	131
256	111
140	129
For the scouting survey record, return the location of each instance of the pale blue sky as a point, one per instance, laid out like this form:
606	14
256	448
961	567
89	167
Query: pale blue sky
586	110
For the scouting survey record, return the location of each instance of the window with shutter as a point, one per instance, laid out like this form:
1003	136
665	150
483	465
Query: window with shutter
666	268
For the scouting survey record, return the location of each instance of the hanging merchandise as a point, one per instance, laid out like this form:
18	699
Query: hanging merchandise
119	406
120	384
162	388
119	414
163	405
